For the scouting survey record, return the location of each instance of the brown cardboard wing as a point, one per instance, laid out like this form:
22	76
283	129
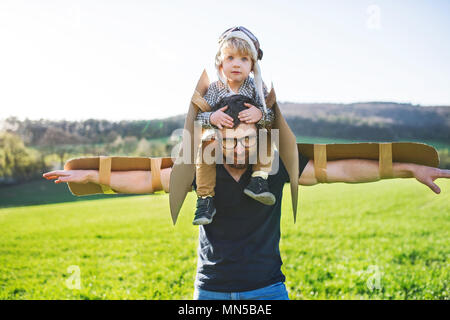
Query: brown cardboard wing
385	152
183	173
107	164
286	149
410	152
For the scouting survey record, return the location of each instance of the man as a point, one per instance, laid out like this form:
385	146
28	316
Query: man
238	254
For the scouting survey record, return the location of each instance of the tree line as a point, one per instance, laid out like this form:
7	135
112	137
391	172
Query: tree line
374	121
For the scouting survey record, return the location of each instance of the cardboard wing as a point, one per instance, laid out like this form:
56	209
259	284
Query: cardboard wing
287	150
183	173
183	170
105	165
385	152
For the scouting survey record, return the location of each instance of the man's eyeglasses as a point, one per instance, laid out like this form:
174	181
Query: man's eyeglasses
246	142
248	33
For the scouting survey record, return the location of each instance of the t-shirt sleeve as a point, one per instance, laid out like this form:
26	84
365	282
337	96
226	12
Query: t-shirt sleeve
302	162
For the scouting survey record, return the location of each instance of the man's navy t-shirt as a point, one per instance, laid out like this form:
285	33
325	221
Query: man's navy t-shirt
239	250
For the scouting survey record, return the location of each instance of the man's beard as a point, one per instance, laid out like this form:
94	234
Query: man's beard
241	165
238	165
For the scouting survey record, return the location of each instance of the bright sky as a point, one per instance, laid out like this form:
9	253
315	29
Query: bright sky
141	59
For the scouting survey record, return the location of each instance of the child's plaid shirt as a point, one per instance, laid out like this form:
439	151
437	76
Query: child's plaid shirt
217	90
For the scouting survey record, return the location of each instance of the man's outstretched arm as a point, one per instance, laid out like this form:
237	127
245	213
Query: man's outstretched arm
360	171
135	182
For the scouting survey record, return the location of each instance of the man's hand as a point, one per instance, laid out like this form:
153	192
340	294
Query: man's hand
78	176
220	119
130	182
427	175
361	171
251	115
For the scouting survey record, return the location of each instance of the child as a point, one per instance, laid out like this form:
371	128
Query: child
237	56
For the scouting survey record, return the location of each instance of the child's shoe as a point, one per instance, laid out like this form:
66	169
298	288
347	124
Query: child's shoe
205	211
258	189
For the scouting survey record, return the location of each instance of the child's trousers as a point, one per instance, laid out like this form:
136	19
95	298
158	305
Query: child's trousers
205	173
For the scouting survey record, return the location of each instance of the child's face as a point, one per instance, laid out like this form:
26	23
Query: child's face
236	68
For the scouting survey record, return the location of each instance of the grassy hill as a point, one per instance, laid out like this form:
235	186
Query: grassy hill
382	240
42	192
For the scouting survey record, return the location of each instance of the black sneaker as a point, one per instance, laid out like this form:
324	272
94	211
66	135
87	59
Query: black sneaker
205	211
258	189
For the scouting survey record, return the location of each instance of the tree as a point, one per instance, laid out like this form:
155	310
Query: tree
16	161
143	148
56	140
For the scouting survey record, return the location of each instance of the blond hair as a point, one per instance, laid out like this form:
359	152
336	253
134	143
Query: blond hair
235	44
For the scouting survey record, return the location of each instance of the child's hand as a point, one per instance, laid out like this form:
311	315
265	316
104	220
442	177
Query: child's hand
220	119
251	115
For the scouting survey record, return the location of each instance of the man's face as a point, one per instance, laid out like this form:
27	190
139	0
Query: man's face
239	145
236	68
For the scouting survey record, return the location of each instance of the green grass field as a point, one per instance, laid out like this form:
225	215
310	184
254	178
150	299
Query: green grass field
382	240
41	191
